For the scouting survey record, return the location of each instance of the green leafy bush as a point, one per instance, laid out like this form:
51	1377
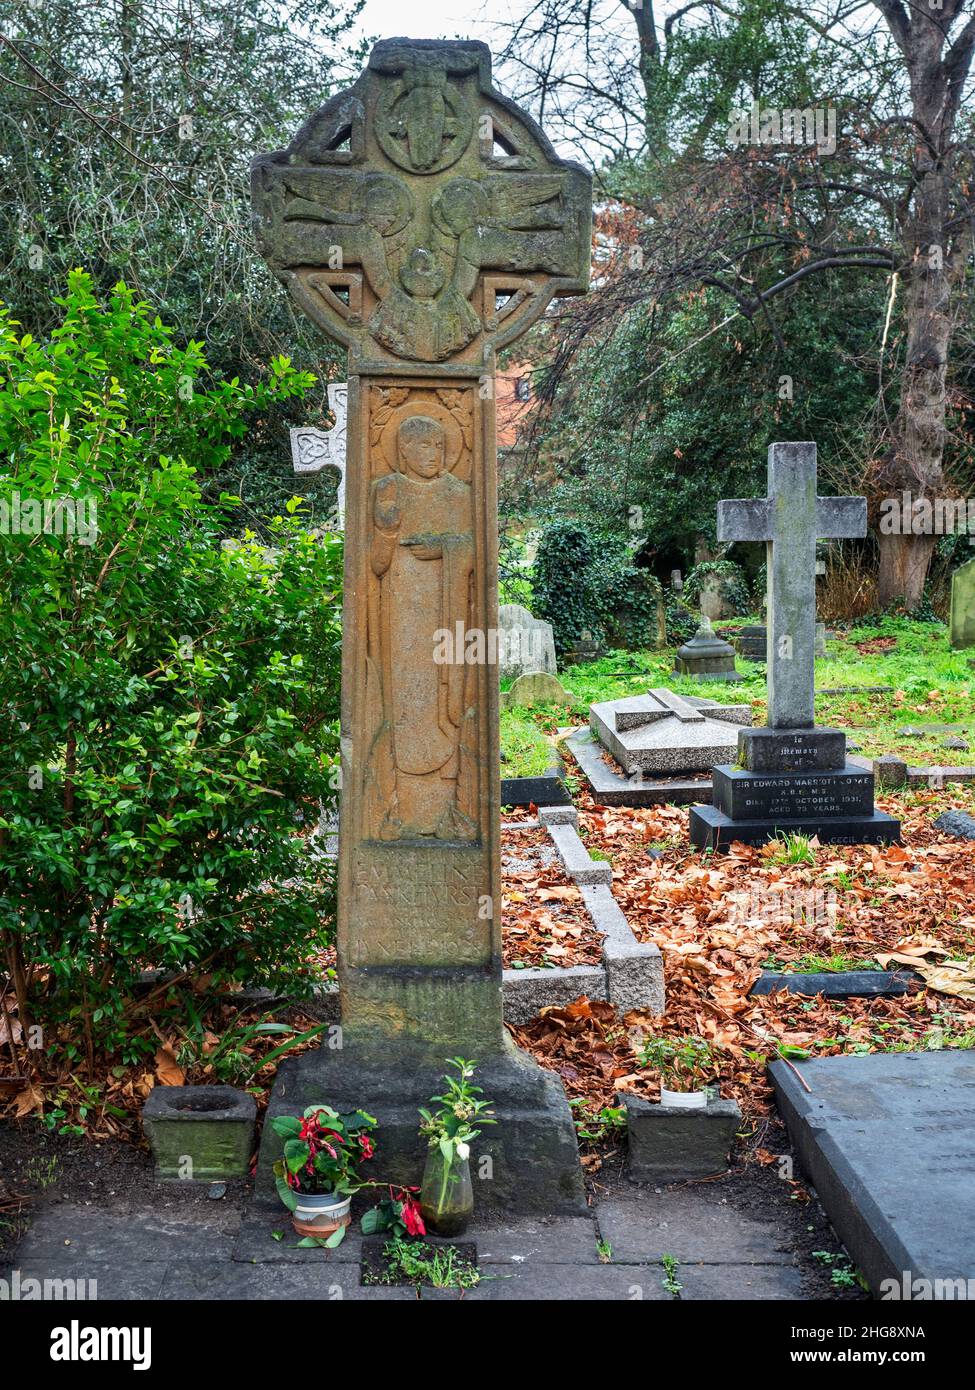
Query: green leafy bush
629	599
168	706
565	583
682	624
582	584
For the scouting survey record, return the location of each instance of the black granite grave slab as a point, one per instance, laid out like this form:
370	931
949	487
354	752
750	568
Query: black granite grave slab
795	795
836	984
886	1139
549	790
712	829
792	750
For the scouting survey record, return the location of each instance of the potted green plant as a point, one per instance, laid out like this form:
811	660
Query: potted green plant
684	1065
446	1194
318	1171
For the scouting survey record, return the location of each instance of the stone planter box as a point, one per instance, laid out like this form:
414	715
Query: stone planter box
200	1133
669	1144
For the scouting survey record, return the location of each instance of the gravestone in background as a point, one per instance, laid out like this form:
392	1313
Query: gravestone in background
706	657
791	776
526	643
535	688
962	621
425	222
313	450
713	603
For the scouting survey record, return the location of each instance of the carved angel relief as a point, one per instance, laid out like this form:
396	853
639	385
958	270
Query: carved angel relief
421	767
385	248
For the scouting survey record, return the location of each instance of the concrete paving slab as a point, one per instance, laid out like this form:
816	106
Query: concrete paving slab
686	1224
72	1280
81	1234
700	1283
255	1242
218	1280
560	1283
886	1139
570	1241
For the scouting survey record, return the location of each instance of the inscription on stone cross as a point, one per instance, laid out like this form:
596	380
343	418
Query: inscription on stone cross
790	520
425	222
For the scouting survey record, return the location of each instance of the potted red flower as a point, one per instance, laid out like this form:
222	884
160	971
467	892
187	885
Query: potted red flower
318	1172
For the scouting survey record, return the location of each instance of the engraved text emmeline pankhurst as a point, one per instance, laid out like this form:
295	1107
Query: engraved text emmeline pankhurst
425	222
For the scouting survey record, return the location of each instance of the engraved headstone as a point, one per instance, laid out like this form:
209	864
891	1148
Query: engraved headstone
791	776
526	643
313	450
425	222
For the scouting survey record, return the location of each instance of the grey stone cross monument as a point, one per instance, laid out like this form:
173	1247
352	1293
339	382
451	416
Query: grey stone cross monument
790	520
791	776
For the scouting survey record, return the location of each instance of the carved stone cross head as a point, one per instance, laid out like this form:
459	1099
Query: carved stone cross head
420	218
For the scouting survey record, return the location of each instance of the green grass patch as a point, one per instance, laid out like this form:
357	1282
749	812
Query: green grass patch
930	685
525	750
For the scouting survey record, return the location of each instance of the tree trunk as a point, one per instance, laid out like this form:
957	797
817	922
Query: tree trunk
916	465
934	270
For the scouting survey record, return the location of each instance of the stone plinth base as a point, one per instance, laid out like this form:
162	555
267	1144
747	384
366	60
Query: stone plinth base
836	806
712	829
792	750
746	795
527	1162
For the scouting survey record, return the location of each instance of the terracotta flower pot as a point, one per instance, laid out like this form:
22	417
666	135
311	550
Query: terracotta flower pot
320	1213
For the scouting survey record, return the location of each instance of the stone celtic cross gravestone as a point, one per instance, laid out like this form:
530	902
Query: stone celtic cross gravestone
313	450
791	776
424	221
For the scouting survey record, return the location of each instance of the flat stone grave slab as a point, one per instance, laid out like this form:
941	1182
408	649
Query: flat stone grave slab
836	984
692	1225
886	1139
611	786
661	732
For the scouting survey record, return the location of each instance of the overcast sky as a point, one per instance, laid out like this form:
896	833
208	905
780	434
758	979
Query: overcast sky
430	19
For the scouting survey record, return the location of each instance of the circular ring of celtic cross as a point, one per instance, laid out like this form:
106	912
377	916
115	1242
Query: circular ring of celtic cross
391	130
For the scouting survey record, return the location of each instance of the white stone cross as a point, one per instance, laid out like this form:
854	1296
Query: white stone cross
790	520
313	449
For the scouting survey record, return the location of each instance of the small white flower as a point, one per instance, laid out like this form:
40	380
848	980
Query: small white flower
463	1150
